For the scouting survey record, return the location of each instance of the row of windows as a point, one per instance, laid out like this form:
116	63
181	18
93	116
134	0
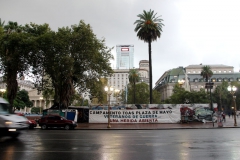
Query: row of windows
118	75
213	71
212	80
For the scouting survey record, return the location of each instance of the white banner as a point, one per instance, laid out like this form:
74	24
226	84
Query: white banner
136	116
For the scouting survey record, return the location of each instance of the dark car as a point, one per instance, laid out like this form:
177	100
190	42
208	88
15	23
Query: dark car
49	121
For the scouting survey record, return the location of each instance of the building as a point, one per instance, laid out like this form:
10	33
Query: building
125	56
33	94
120	79
192	78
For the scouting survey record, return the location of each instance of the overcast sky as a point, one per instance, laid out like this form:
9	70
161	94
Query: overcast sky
195	31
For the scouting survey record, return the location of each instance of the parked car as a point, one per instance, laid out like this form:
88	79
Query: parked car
49	121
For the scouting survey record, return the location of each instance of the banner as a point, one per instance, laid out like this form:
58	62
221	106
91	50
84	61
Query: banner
150	113
135	116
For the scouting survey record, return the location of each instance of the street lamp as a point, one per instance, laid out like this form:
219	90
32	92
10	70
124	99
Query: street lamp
180	82
109	91
2	90
232	90
41	98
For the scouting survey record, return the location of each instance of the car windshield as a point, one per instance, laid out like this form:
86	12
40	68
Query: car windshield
3	108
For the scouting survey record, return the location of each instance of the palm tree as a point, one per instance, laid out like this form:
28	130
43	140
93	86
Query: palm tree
149	28
134	77
206	72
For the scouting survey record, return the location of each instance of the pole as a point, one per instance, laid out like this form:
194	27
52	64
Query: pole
235	120
109	126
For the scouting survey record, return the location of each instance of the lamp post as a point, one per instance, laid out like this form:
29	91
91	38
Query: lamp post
180	82
109	91
2	90
41	98
232	90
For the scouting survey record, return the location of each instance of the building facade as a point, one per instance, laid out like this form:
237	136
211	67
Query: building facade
192	75
124	56
120	78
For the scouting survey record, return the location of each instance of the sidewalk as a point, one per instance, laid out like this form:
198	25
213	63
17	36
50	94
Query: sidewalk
157	126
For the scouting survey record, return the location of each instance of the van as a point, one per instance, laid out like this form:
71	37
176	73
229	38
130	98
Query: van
10	124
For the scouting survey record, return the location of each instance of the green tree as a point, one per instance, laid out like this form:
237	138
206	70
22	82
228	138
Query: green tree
14	50
70	59
134	77
149	28
22	100
206	72
2	23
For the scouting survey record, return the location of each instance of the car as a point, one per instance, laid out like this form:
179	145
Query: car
50	121
10	124
31	123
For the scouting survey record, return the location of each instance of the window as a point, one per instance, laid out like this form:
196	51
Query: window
194	72
214	71
230	79
213	80
229	71
219	80
225	79
189	72
224	71
219	71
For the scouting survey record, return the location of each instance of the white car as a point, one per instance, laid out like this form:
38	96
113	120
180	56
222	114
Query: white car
11	124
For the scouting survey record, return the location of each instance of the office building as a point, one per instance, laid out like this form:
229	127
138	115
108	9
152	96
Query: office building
124	56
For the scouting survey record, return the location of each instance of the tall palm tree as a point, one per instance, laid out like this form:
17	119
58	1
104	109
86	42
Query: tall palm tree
134	77
206	72
149	28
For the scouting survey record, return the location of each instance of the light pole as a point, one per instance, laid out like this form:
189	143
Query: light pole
2	90
109	91
232	90
180	82
41	98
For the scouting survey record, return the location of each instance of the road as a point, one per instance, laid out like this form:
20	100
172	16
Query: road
178	144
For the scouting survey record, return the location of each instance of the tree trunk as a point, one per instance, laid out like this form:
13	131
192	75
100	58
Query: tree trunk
150	70
12	87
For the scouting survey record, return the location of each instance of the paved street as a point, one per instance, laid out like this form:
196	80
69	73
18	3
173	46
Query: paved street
180	144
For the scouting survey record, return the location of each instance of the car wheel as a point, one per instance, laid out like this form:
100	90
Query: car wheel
44	126
67	127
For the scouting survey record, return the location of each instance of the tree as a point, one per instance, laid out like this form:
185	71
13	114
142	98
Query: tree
22	100
73	58
134	77
14	50
149	28
2	23
142	94
220	94
206	72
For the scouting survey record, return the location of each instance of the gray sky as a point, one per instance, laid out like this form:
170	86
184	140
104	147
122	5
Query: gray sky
195	31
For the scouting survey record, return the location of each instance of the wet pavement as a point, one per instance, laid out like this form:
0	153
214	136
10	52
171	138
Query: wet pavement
157	126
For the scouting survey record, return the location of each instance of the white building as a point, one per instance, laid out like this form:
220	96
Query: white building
120	79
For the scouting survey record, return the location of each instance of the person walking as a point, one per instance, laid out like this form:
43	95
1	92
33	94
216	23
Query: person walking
229	114
223	116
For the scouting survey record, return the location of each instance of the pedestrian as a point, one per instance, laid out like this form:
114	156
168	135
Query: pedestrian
223	116
229	114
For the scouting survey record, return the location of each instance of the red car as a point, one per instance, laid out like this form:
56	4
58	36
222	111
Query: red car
50	121
32	123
